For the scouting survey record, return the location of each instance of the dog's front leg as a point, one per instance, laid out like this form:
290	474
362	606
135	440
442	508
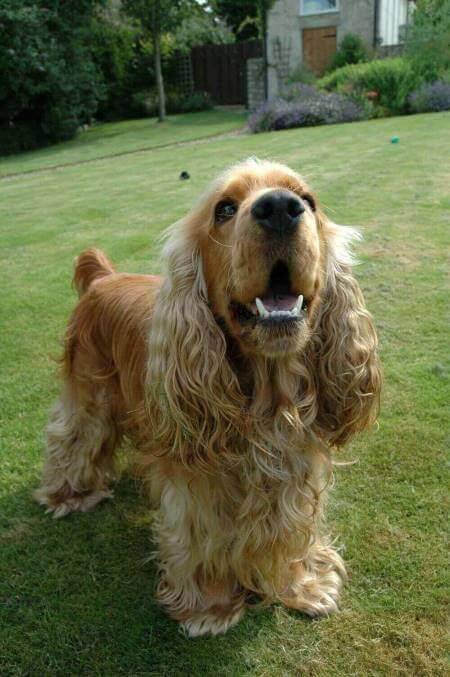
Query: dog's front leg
196	584
315	581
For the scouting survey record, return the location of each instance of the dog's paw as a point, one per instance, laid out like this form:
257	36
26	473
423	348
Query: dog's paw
316	588
318	596
210	622
75	503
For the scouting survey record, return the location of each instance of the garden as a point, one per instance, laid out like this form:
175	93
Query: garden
360	86
76	595
66	69
67	66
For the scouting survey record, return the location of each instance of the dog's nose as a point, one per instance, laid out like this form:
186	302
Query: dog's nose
278	211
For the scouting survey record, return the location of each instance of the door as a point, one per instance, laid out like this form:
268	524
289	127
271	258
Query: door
319	45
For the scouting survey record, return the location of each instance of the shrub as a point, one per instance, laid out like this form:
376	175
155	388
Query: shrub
430	97
310	108
427	42
388	81
298	91
302	74
16	137
49	84
115	53
145	103
197	101
351	50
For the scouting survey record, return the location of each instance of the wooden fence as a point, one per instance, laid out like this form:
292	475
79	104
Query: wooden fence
221	70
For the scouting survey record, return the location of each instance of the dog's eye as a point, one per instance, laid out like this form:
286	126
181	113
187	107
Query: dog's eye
307	197
225	210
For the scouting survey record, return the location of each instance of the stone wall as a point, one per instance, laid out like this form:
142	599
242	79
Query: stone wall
357	17
283	29
255	83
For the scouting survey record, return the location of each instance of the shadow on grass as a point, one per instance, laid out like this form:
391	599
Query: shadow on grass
76	597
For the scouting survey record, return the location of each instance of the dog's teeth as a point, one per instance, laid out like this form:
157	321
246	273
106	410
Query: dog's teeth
260	305
299	304
278	314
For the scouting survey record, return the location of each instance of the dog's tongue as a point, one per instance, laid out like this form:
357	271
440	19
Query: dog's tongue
279	301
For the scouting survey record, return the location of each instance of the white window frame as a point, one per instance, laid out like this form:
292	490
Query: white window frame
321	11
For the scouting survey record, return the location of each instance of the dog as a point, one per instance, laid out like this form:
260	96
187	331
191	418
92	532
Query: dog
236	376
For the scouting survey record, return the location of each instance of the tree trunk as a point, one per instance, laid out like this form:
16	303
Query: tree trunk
158	72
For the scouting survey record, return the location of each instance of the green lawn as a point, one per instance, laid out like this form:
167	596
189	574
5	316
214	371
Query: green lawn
105	140
76	595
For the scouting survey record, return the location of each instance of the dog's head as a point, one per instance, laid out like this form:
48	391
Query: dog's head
263	249
258	263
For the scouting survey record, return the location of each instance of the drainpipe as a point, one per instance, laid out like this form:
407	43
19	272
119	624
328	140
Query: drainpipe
375	23
266	67
263	11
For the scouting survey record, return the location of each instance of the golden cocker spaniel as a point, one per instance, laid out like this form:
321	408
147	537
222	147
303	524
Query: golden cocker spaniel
235	375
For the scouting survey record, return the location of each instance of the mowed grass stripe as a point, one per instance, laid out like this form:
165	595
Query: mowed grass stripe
123	138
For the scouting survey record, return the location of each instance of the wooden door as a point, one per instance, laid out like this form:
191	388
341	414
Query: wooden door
319	45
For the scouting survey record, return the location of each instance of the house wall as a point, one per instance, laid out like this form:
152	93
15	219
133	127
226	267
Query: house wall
285	26
357	17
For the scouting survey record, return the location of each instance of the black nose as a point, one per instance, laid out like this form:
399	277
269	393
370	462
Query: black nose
278	211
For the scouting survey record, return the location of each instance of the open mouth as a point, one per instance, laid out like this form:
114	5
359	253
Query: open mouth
278	305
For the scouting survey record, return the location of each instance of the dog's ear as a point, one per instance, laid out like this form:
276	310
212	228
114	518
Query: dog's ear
192	393
345	346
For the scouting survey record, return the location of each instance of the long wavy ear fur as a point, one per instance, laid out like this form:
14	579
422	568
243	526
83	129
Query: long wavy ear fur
192	393
345	347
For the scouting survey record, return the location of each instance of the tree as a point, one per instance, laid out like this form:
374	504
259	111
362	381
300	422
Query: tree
201	28
156	18
239	16
427	42
49	84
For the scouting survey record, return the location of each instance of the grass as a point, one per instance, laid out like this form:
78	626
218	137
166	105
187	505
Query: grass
76	595
105	140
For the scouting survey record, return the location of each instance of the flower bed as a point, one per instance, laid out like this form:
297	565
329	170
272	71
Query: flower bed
304	106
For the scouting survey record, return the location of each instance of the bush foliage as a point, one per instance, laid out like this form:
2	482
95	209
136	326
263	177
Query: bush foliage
62	64
428	43
302	74
50	84
304	106
115	52
431	97
145	102
351	50
387	82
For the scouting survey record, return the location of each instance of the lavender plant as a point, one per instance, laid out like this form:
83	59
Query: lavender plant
430	97
304	106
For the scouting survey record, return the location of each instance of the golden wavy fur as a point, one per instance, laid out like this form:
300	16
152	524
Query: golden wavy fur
235	412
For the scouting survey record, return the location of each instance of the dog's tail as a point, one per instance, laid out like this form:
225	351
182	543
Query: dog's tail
89	266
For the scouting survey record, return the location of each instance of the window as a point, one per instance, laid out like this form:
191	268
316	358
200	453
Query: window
318	6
